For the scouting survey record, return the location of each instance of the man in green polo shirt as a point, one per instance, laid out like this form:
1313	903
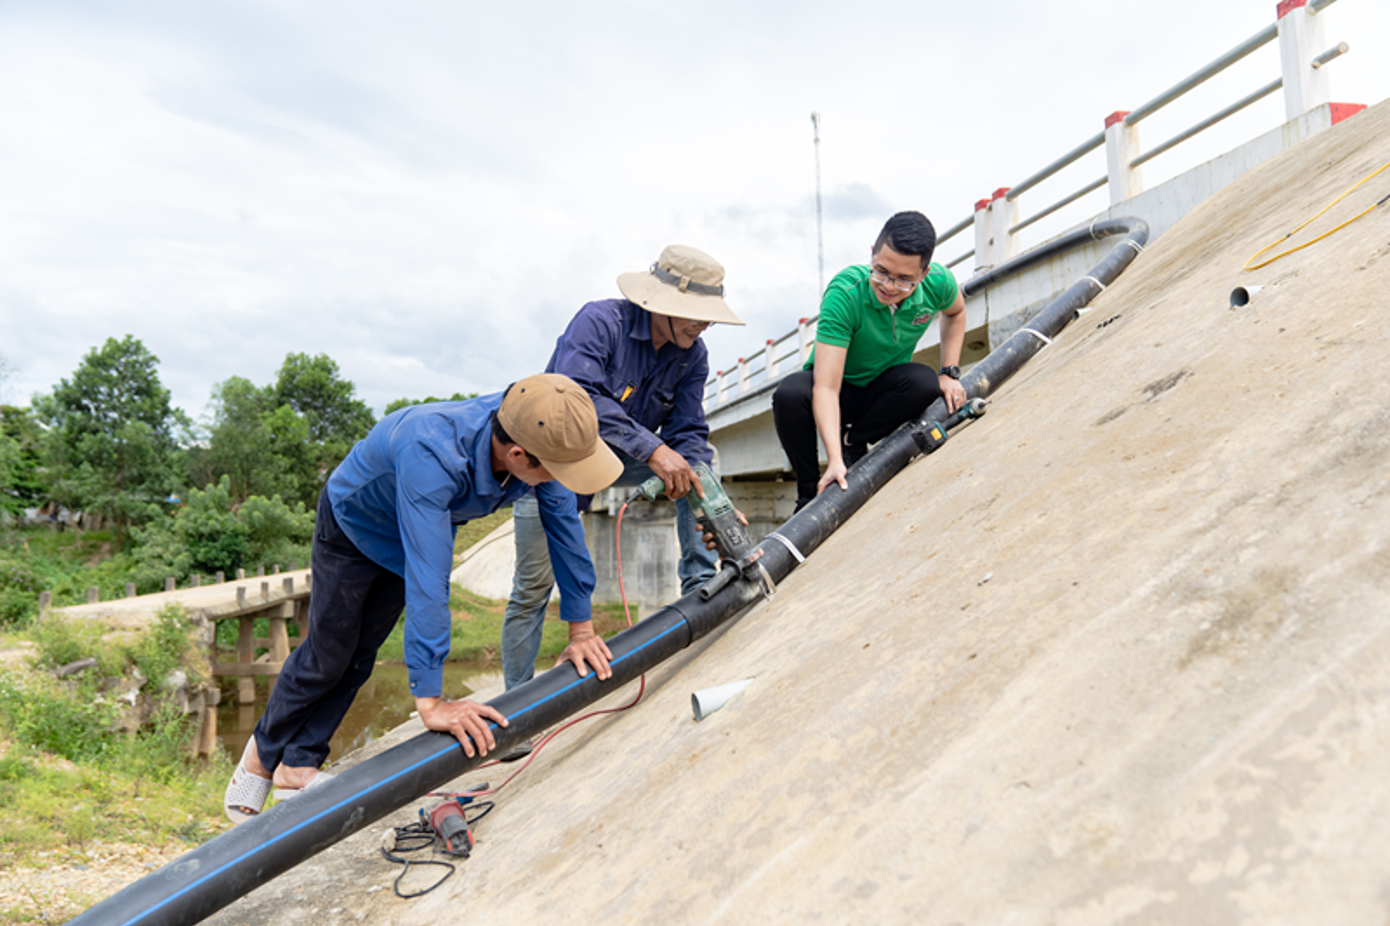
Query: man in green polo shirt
860	382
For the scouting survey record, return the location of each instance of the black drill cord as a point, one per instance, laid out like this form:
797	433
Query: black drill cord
418	837
424	838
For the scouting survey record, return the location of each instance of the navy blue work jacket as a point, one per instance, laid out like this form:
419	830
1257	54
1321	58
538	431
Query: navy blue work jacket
639	392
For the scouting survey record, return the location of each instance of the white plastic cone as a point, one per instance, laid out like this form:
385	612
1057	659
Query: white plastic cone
708	701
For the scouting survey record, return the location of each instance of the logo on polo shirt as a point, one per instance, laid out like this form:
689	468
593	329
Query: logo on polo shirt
923	318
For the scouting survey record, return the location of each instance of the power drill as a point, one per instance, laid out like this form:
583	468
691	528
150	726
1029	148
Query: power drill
715	512
717	516
450	828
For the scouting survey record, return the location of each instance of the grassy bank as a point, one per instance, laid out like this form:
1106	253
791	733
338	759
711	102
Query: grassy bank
81	802
72	834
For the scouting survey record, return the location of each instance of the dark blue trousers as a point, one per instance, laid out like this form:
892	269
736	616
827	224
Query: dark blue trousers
353	606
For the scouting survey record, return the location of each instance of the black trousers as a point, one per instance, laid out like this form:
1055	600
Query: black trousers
867	413
352	610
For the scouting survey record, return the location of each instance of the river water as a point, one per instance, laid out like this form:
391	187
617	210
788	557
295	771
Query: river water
384	703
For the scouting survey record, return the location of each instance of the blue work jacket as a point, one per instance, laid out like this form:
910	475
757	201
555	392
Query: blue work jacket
402	493
637	390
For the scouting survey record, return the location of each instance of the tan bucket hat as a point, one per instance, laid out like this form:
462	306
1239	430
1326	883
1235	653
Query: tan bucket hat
551	417
684	282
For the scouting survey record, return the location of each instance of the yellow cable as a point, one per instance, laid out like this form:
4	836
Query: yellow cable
1300	247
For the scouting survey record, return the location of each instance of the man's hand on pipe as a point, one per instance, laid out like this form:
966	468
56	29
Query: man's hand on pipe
467	720
835	472
586	646
953	392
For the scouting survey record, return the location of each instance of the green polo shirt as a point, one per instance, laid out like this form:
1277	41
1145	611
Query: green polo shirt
876	337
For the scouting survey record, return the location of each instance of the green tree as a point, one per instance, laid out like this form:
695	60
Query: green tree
111	447
20	441
264	449
211	532
312	388
236	445
406	403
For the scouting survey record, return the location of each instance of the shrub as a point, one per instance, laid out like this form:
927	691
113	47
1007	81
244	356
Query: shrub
160	749
17	608
15	768
62	640
277	533
211	534
159	553
161	649
40	715
19	593
108	576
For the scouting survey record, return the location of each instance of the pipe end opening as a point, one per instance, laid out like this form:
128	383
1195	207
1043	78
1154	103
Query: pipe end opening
1241	295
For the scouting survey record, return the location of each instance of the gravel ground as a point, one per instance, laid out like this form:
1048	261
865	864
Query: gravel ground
71	880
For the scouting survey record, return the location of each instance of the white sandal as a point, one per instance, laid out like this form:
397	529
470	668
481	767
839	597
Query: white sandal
246	793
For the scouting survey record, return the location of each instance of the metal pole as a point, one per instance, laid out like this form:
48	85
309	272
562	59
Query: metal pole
820	238
1263	37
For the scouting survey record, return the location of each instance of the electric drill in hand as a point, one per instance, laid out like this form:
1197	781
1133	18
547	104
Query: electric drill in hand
716	515
714	512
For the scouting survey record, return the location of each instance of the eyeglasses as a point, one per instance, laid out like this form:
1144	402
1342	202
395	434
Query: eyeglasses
885	280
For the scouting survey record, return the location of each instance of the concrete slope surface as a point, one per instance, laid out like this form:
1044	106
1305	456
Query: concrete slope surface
1118	653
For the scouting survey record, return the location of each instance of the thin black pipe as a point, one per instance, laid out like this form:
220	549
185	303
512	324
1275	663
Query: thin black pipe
1018	348
202	881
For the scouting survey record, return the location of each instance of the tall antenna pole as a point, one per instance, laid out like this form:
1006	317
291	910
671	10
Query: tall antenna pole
820	238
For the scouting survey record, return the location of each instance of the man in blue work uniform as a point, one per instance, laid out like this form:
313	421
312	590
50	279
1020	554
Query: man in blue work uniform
642	362
384	539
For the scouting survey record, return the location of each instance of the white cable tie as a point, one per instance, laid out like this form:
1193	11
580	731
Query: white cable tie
1095	281
1138	248
1091	229
1039	335
1083	310
789	545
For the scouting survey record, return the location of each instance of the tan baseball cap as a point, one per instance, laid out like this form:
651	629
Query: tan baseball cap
684	282
551	417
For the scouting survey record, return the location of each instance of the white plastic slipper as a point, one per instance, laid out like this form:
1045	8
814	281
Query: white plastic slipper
246	793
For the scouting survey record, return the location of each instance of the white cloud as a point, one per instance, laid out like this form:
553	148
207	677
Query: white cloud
426	193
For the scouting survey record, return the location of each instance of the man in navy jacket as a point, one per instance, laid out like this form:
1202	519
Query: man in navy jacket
642	362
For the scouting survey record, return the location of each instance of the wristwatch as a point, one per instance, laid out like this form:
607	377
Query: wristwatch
951	371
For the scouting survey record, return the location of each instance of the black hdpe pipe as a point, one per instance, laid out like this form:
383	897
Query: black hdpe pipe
1018	348
205	880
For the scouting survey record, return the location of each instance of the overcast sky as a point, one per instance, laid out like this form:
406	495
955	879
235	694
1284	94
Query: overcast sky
427	191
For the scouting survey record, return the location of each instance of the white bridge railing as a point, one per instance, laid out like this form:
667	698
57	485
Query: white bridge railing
1303	54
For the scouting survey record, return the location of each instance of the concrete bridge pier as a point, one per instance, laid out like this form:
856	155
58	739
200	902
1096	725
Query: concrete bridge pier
650	551
766	503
